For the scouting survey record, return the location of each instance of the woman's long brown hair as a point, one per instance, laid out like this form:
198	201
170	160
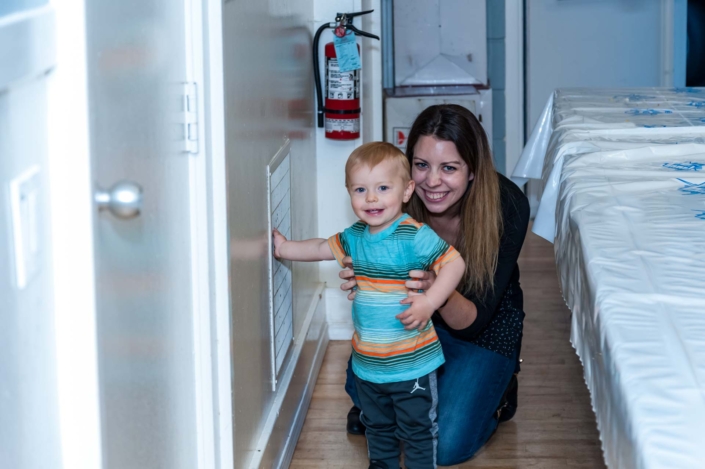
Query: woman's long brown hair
480	208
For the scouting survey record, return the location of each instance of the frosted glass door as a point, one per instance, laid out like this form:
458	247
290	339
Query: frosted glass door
137	70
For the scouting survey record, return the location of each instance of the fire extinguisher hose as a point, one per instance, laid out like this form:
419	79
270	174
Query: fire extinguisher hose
317	72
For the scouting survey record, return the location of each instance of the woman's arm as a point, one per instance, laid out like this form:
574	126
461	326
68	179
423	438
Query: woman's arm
459	313
469	315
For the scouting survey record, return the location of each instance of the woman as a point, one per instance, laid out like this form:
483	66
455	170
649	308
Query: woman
485	217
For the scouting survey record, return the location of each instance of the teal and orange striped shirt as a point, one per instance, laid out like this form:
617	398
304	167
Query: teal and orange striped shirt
383	351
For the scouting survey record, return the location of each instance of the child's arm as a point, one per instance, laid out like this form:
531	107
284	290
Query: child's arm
423	305
309	250
448	278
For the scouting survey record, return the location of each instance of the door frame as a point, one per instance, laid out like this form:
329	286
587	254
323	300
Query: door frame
210	230
71	189
203	346
514	85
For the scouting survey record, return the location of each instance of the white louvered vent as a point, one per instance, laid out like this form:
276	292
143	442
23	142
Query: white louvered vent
280	283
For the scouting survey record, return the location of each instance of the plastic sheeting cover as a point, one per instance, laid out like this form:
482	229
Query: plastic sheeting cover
629	206
579	121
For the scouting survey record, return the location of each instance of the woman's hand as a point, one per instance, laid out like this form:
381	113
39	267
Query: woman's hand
420	280
348	275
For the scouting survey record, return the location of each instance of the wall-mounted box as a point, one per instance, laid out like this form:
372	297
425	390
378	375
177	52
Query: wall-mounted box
440	42
402	105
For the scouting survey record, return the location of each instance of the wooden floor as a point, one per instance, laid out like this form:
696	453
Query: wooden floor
554	426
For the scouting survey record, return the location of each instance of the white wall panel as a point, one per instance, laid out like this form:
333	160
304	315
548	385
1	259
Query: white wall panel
371	51
334	211
29	401
590	43
269	99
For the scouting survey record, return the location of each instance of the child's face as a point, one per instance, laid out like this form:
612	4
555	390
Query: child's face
377	194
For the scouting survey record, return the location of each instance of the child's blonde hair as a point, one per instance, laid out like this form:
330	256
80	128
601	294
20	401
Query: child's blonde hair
373	153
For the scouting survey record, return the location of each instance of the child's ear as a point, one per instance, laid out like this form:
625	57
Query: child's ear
409	191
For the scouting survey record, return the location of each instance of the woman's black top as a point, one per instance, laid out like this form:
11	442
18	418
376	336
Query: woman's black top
500	313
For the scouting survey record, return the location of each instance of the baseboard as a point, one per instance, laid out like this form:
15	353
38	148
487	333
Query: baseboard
286	417
300	415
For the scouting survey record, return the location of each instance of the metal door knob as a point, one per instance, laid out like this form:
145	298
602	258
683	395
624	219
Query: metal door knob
124	199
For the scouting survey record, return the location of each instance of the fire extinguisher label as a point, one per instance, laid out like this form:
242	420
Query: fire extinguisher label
346	52
343	125
341	85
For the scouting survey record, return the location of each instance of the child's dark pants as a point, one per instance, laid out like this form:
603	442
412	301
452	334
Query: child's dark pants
403	411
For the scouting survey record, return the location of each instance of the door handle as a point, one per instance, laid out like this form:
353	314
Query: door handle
123	200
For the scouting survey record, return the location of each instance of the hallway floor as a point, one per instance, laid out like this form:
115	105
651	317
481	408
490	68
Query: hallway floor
554	426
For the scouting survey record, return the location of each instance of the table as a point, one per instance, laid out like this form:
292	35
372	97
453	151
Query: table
623	200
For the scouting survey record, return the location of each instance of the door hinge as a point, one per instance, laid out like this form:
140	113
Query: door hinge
190	118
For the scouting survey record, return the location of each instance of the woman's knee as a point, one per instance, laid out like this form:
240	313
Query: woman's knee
460	446
450	454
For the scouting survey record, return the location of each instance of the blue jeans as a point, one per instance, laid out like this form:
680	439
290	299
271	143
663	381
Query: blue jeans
470	386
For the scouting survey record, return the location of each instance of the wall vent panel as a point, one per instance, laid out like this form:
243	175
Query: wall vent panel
281	303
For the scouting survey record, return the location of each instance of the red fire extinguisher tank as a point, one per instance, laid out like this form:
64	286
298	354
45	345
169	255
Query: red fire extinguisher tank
341	113
342	108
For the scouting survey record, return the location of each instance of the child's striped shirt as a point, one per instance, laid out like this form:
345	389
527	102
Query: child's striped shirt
383	351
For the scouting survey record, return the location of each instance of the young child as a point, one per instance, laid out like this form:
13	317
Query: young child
394	366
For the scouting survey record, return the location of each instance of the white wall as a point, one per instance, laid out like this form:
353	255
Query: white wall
48	382
590	43
29	400
268	99
334	211
599	43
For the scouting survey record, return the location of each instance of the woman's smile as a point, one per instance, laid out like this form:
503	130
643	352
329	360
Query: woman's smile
440	173
434	196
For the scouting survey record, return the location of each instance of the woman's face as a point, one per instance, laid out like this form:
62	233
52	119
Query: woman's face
440	173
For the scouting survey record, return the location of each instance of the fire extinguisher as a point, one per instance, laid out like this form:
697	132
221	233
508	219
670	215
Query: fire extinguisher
341	114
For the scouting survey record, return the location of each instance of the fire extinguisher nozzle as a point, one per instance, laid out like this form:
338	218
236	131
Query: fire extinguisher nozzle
320	120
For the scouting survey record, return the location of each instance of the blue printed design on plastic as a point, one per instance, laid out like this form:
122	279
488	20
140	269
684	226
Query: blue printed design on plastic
697	104
692	188
647	112
687	90
653	126
701	215
633	97
687	166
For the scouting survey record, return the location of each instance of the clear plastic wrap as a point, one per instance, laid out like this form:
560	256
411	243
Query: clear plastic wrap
580	121
627	209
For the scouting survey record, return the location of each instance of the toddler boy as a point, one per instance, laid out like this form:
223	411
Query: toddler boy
395	367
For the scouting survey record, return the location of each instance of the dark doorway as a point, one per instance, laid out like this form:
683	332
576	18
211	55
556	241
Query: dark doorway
695	67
